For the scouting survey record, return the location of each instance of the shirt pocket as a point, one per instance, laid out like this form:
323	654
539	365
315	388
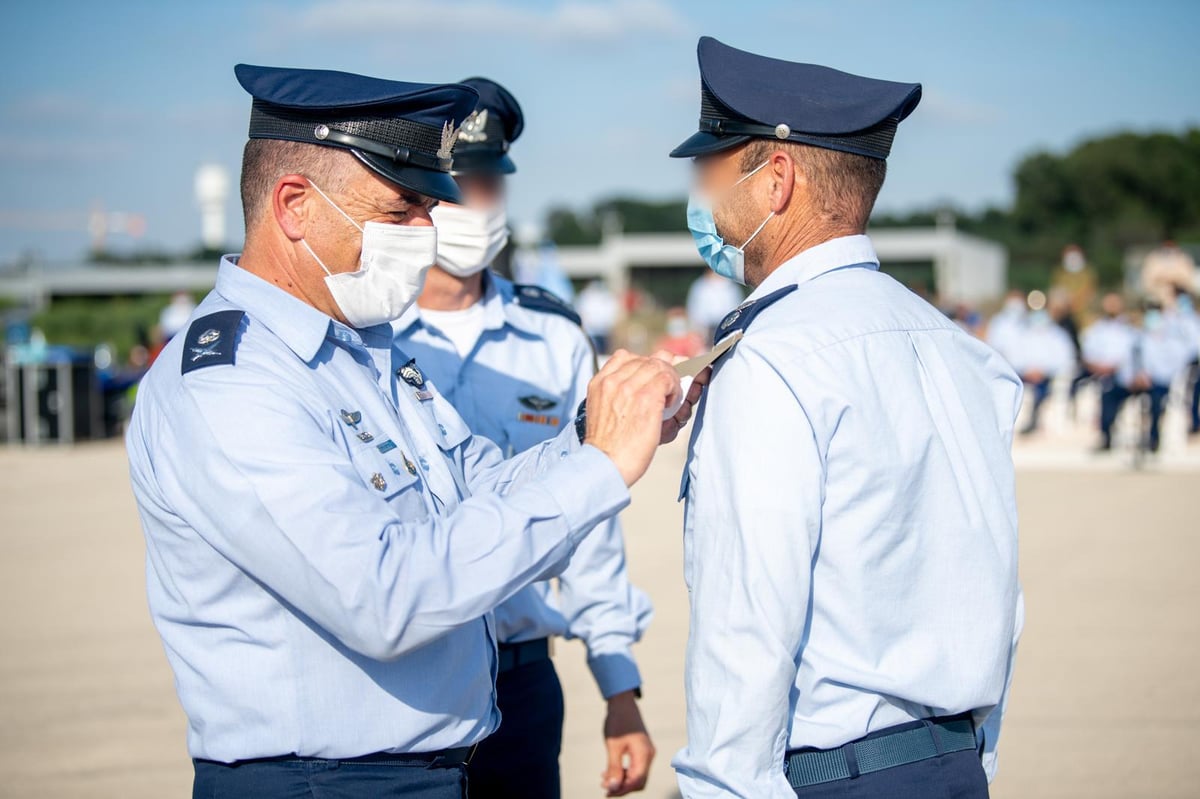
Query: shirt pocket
394	478
526	427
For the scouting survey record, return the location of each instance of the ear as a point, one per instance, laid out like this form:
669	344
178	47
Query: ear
289	205
783	184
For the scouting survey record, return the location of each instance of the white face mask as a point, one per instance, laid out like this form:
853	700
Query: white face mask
391	271
469	239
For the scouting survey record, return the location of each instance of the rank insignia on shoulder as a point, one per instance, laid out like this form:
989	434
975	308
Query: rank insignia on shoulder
536	403
410	374
538	299
211	340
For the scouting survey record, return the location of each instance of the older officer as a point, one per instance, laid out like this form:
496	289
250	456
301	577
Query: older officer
514	362
325	537
851	530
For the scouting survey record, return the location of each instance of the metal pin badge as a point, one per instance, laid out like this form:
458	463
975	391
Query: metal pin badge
410	374
378	481
412	467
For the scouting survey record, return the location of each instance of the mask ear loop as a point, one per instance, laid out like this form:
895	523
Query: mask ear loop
337	208
757	230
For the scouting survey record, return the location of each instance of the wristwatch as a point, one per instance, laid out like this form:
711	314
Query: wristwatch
581	420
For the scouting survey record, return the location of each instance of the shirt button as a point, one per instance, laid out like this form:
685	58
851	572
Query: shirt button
424	463
562	454
442	429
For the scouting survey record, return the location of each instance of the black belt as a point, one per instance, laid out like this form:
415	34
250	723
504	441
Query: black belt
523	653
895	746
459	756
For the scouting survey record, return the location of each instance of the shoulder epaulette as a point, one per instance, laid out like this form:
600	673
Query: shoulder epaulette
211	340
537	298
741	317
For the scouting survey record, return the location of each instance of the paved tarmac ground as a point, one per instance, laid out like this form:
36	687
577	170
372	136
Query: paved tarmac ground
1106	700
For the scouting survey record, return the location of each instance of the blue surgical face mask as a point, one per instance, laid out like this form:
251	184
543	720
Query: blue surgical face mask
724	259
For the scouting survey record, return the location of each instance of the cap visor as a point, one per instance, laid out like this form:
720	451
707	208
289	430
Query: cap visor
482	164
701	143
429	182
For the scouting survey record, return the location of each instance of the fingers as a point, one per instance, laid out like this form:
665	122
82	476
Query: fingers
613	777
641	753
629	758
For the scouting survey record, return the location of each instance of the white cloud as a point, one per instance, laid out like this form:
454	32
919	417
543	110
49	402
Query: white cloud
578	21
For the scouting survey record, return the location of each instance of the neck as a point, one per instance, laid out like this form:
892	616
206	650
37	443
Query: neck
800	235
446	292
272	261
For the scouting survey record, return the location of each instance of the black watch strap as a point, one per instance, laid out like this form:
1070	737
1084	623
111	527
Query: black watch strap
581	420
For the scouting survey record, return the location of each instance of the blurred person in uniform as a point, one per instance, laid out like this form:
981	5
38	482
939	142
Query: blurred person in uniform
325	538
1042	352
850	536
1064	315
1074	280
175	316
1157	356
598	310
709	298
1106	345
514	362
1007	325
1166	271
679	338
1186	323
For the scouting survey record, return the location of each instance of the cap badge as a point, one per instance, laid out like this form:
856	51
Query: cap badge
449	136
472	130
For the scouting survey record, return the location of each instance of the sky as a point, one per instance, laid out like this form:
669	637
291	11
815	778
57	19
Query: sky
115	104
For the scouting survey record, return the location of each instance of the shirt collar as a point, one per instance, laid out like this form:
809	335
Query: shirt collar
299	325
497	300
816	261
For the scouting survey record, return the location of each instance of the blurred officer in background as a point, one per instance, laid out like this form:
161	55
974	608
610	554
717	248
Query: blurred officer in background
710	297
325	538
1041	352
1186	323
515	363
851	528
1157	356
1005	328
1107	345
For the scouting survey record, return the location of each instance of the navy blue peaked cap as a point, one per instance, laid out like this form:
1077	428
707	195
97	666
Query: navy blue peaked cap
744	96
489	131
404	132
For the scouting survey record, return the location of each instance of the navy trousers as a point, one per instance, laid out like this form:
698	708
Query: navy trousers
958	775
520	760
303	778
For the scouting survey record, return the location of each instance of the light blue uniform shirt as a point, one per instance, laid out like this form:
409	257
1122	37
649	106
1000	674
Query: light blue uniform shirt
850	528
324	588
1107	342
520	384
